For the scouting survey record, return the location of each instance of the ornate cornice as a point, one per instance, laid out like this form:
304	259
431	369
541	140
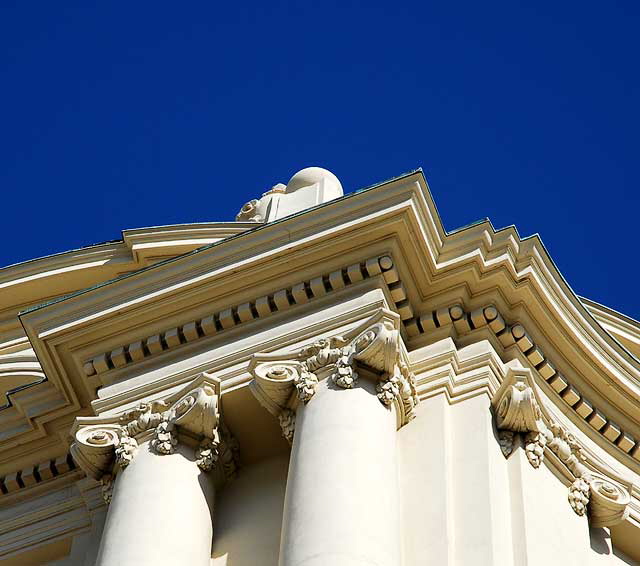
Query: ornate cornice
259	308
281	381
515	334
517	410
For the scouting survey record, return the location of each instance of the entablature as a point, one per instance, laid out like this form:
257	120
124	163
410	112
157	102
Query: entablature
388	237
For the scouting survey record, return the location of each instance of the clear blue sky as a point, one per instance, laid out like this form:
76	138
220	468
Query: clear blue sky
119	115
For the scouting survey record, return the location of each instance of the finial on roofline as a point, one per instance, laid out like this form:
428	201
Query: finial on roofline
307	188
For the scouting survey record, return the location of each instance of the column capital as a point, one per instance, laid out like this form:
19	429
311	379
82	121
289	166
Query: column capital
105	445
374	348
518	409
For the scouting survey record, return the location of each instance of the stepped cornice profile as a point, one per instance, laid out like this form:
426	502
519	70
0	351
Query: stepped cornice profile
284	304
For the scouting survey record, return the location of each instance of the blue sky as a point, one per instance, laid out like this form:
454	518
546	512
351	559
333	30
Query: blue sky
119	115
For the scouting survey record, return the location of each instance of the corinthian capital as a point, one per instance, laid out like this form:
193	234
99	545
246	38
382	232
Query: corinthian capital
104	446
283	380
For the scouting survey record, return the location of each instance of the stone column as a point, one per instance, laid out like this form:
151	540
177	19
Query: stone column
152	462
341	505
341	401
160	512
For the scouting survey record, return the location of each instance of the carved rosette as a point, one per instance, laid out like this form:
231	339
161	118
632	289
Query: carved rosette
281	382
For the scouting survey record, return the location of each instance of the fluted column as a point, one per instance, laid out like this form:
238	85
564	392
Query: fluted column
340	401
153	462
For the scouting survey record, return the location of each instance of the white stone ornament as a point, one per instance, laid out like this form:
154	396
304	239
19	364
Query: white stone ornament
307	188
105	449
281	381
609	503
165	438
94	449
287	420
517	411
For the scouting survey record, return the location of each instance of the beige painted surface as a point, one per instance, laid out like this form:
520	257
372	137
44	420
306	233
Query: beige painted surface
341	506
248	516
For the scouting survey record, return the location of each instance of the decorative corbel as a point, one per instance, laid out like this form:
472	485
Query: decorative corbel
517	410
281	381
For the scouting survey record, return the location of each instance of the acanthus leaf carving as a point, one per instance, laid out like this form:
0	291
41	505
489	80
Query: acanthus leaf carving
105	448
281	381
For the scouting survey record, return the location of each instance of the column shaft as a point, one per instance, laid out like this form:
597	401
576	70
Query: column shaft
341	505
160	513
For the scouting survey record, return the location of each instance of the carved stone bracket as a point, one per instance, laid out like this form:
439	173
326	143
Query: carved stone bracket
104	446
517	410
281	381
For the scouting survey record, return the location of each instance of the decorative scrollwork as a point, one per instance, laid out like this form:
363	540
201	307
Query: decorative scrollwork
609	503
373	349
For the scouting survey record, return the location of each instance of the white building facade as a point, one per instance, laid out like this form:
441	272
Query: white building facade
328	380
